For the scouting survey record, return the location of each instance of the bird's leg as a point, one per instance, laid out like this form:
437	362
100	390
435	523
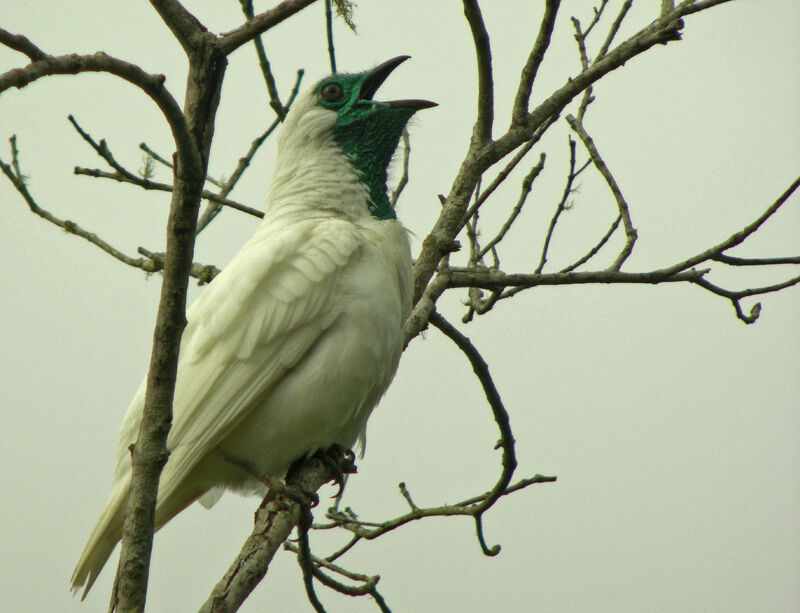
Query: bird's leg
276	487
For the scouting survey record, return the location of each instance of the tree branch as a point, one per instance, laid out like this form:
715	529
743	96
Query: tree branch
529	72
622	205
229	42
329	35
149	454
184	26
152	85
562	205
527	185
484	153
263	62
482	131
275	518
17	42
736	238
17	179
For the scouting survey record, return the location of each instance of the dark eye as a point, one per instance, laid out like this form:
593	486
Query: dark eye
331	92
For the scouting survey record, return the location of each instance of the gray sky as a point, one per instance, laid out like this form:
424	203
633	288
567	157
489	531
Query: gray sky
672	427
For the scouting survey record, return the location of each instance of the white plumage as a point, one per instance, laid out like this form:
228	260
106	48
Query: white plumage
290	347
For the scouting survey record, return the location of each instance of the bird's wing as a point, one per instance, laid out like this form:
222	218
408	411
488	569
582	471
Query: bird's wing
256	320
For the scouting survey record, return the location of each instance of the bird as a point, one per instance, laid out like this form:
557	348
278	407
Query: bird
290	347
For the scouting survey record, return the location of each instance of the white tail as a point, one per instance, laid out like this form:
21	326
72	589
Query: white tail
107	531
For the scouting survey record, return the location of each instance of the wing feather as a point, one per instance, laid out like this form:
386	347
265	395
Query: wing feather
257	319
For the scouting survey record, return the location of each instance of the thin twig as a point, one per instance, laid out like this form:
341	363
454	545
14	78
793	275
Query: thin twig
263	62
506	443
369	581
229	42
329	35
622	205
307	567
591	253
735	295
736	238
562	204
612	31
372	530
407	495
401	184
503	174
17	179
149	185
527	184
580	38
735	261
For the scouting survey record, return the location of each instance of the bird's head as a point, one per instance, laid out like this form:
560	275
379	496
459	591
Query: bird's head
339	116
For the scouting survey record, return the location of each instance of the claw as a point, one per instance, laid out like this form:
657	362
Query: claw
340	461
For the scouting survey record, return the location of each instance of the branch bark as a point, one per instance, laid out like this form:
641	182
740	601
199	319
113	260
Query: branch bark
149	453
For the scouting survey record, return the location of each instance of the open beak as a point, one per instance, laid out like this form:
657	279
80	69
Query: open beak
378	75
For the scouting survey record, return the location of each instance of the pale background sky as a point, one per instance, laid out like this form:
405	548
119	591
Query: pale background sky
674	429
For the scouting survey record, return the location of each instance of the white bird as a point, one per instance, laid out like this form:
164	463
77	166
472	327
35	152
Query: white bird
290	347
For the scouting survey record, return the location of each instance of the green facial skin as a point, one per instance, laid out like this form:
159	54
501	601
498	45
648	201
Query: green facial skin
368	133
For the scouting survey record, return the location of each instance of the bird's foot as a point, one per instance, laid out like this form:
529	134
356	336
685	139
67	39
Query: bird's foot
275	487
305	499
340	461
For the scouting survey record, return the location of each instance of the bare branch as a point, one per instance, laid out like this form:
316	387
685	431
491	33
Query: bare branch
622	205
527	184
126	177
596	248
562	205
149	453
529	72
17	42
263	62
580	38
152	85
17	179
329	35
481	369
231	41
418	320
183	25
485	278
503	174
482	131
734	296
483	154
734	261
307	566
612	31
401	184
275	518
372	530
738	237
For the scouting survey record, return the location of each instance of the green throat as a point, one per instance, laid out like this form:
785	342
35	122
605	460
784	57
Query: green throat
367	131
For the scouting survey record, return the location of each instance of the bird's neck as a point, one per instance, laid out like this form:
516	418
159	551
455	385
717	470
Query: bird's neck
318	177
